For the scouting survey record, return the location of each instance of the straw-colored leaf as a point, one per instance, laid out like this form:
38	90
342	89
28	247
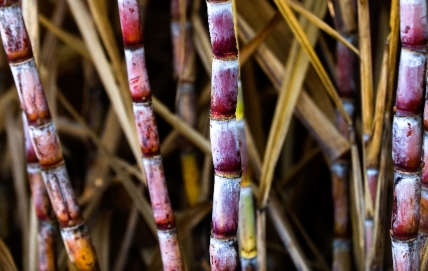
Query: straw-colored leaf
393	50
202	42
375	143
6	260
69	39
300	35
292	81
250	47
273	69
357	208
365	67
33	238
311	116
321	24
261	239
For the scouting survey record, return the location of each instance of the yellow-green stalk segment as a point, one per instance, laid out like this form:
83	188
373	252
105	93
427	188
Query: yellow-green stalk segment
184	70
407	135
132	33
44	137
46	227
224	137
340	168
247	227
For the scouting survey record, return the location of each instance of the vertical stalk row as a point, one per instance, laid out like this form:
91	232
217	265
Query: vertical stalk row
145	122
44	137
45	226
184	69
247	226
340	168
224	137
407	135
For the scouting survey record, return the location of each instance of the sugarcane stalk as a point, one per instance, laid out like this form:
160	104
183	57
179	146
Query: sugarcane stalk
224	137
132	33
247	226
46	227
184	70
407	135
44	137
345	22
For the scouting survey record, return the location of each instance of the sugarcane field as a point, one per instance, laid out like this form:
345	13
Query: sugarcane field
213	135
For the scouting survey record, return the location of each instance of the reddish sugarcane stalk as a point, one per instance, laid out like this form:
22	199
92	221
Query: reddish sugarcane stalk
46	227
44	137
340	168
224	137
184	69
340	171
145	122
407	135
247	226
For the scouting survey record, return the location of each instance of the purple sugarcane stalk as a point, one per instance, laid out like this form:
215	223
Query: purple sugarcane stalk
224	137
46	227
407	135
145	122
44	137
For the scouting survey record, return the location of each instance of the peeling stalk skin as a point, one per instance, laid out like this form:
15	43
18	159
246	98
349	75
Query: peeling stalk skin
147	132
43	134
407	136
224	137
